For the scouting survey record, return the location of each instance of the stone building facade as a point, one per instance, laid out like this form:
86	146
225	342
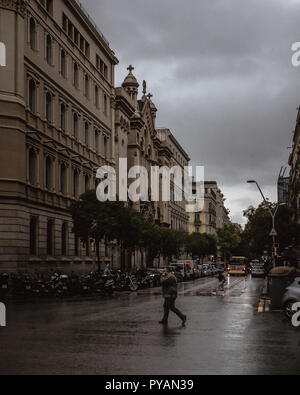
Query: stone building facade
143	144
173	155
56	128
294	179
214	214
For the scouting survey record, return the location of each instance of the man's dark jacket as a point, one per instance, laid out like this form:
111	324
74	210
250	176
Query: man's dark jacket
169	286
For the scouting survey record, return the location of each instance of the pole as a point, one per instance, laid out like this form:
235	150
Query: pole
273	215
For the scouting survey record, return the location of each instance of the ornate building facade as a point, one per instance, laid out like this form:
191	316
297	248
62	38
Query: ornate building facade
214	214
143	144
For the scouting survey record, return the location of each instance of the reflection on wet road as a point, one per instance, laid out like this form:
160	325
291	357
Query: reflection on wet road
224	334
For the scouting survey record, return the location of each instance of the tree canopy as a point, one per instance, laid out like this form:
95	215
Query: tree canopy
228	240
259	225
113	221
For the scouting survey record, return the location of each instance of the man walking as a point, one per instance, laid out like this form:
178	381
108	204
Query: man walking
169	288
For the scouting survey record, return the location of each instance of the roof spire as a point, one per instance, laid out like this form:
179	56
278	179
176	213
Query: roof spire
130	68
144	87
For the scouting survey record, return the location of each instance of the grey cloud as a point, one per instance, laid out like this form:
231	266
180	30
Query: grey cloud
221	76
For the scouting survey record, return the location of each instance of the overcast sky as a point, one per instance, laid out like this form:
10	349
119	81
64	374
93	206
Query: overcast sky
222	79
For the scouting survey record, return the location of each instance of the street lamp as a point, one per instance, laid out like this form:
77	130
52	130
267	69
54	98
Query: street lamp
272	213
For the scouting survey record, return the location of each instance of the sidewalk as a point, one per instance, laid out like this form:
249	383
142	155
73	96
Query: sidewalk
265	291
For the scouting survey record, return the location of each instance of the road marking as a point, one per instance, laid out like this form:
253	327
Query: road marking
261	306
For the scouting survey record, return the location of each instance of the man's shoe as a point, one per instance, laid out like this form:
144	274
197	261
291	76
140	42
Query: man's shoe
184	320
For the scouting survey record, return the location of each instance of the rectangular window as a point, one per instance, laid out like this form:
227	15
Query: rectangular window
96	96
87	49
49	6
70	30
105	104
64	23
97	62
105	71
81	43
76	36
96	141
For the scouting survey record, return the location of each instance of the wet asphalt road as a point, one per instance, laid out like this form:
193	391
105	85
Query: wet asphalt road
121	335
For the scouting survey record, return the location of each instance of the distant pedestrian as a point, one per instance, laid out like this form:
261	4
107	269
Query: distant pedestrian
169	288
222	281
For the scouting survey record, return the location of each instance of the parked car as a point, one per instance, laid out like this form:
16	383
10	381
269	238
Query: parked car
201	270
185	270
214	270
177	272
207	269
196	272
291	296
155	274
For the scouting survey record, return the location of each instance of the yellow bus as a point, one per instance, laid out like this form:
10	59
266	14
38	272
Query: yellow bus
238	265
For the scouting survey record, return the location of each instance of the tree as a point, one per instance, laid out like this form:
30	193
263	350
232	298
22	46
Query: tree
112	221
151	242
201	245
93	219
228	240
259	225
172	242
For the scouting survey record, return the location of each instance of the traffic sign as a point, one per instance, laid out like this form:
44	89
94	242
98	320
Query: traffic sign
273	232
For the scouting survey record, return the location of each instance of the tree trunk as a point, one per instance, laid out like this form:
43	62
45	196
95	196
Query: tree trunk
123	258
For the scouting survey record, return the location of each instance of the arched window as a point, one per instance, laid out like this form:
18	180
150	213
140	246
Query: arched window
63	173
32	167
32	33
105	147
86	133
64	236
33	236
49	49
48	107
75	75
96	96
63	63
48	173
63	117
86	86
50	229
75	125
32	95
75	183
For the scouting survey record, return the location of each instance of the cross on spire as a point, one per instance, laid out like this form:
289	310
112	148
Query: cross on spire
130	68
149	96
